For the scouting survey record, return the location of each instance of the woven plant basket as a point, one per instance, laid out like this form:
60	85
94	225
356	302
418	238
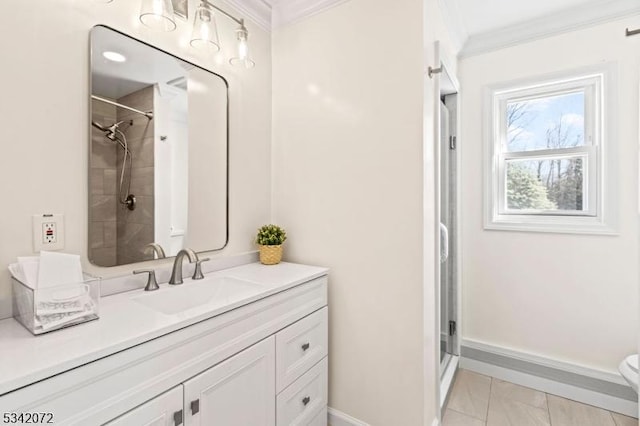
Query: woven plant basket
270	255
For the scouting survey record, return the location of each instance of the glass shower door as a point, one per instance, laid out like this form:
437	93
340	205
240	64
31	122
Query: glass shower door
448	210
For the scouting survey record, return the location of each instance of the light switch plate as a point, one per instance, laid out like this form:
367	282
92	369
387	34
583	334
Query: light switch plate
48	232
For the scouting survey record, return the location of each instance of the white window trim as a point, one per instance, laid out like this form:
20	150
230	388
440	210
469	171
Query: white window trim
602	216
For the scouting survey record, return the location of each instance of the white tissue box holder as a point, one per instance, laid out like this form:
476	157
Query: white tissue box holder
48	309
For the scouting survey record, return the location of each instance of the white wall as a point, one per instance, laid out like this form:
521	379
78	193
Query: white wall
206	160
567	297
348	187
44	121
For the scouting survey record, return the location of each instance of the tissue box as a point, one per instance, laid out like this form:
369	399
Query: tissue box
53	308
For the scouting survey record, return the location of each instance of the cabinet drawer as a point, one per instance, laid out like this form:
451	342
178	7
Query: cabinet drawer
163	410
300	346
304	403
319	419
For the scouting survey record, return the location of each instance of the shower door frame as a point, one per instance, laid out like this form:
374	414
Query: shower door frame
449	367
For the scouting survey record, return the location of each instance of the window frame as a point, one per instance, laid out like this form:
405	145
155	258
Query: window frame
597	217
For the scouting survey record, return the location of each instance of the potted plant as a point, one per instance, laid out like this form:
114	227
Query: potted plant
269	240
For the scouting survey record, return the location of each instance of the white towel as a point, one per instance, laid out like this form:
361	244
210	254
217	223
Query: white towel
59	269
444	243
29	266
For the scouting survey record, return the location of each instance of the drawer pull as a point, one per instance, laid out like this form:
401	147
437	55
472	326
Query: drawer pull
305	346
177	418
306	400
195	406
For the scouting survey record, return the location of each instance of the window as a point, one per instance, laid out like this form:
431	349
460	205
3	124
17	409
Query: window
546	150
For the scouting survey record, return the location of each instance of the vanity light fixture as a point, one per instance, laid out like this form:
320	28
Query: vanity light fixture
114	56
205	29
243	48
242	59
158	15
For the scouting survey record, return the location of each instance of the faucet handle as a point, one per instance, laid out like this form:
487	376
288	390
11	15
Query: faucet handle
197	274
152	284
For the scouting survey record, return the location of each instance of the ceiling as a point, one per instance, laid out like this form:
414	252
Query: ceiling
144	65
482	16
480	26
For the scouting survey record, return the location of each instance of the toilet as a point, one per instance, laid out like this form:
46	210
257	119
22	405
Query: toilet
629	370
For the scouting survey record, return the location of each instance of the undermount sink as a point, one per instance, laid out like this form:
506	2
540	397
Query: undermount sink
175	299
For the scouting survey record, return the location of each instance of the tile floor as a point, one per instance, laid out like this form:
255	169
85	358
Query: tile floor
478	400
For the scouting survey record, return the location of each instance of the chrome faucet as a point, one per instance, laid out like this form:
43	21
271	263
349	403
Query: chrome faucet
176	273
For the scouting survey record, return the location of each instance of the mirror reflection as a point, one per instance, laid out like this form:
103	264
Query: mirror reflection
157	122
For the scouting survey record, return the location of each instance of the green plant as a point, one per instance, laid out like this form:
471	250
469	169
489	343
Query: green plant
271	235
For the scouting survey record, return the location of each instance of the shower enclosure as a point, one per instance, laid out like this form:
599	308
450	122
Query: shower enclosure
122	191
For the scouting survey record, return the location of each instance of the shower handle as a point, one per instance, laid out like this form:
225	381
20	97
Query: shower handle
130	202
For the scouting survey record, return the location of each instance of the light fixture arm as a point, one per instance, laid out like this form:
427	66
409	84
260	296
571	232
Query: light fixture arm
237	20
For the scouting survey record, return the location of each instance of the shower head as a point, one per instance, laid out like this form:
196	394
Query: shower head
115	126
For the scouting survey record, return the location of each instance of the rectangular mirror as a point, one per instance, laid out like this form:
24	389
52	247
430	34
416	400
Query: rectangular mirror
158	169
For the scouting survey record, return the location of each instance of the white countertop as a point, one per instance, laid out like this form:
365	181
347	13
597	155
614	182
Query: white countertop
123	323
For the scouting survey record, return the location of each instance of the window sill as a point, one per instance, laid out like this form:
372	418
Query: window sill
550	224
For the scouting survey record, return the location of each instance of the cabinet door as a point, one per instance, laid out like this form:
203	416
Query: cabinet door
163	410
237	392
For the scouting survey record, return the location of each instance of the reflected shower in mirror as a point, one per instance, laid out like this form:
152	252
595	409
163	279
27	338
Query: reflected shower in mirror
158	153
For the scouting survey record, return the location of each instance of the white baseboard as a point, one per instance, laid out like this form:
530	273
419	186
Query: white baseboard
593	387
338	418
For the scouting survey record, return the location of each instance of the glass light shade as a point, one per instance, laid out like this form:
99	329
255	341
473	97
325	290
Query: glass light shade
242	60
245	63
205	30
157	15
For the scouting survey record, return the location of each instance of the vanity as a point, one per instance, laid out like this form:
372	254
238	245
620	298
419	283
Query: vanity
243	346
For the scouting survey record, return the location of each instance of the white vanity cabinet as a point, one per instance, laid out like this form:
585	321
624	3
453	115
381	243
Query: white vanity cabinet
242	389
263	363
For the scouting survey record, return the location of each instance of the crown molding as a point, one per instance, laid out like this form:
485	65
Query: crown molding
270	14
258	11
289	11
570	20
